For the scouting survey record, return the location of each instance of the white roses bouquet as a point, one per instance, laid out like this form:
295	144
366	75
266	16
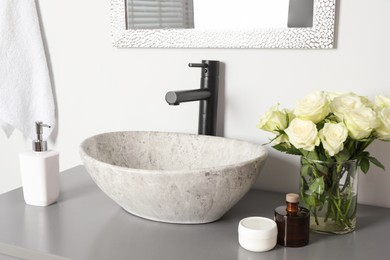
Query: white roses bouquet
331	128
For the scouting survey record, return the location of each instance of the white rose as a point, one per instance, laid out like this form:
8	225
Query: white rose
303	134
333	136
274	119
382	102
333	95
313	107
383	131
366	102
344	103
360	122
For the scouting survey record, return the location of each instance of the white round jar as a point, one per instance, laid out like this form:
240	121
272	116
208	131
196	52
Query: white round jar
257	234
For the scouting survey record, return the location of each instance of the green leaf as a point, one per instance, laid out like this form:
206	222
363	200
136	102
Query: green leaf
280	147
361	155
309	155
305	169
343	155
309	200
364	164
283	147
376	162
318	186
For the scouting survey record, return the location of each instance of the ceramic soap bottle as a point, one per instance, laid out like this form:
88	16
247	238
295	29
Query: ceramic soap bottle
293	222
40	172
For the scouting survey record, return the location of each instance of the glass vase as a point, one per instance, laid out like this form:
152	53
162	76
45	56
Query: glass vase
329	191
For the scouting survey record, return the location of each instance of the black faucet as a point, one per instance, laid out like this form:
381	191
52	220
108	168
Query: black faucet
207	95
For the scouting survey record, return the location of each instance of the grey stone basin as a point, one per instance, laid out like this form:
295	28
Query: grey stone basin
172	177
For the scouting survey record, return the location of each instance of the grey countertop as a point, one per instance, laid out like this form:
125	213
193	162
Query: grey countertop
86	224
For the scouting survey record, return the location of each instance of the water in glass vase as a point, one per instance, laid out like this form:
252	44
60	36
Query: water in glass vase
329	191
329	221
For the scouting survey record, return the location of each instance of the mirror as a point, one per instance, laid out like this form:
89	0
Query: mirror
206	14
241	24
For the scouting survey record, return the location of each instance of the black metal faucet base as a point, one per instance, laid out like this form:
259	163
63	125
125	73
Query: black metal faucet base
207	95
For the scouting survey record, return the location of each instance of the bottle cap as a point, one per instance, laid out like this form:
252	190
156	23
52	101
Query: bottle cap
292	198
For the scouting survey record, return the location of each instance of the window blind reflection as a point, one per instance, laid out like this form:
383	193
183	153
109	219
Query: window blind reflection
159	14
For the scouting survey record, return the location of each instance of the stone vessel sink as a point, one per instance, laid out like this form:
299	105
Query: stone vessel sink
172	177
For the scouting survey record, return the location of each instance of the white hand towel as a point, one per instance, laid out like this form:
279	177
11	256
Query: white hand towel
26	94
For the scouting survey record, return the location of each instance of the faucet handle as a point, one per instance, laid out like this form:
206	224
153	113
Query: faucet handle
198	65
210	68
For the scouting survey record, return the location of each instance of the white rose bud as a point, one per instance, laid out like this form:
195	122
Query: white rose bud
303	134
344	103
313	107
333	136
273	120
383	131
382	102
360	122
281	139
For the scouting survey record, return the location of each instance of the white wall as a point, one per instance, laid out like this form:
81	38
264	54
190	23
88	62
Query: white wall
100	88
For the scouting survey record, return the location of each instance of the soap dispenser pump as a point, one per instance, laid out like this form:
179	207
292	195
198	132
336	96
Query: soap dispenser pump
40	171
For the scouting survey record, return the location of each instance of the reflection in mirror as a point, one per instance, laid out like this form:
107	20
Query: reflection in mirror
159	14
218	14
242	14
133	27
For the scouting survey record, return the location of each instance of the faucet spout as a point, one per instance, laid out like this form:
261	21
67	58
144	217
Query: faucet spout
207	95
177	97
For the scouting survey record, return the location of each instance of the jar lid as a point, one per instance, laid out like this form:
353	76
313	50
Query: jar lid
292	197
258	227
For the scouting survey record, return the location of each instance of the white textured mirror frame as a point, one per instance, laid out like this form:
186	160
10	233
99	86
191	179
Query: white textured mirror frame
321	35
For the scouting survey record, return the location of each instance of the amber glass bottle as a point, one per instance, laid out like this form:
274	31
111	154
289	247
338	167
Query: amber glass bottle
293	223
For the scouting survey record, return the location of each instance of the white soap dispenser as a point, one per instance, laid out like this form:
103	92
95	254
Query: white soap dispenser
40	172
